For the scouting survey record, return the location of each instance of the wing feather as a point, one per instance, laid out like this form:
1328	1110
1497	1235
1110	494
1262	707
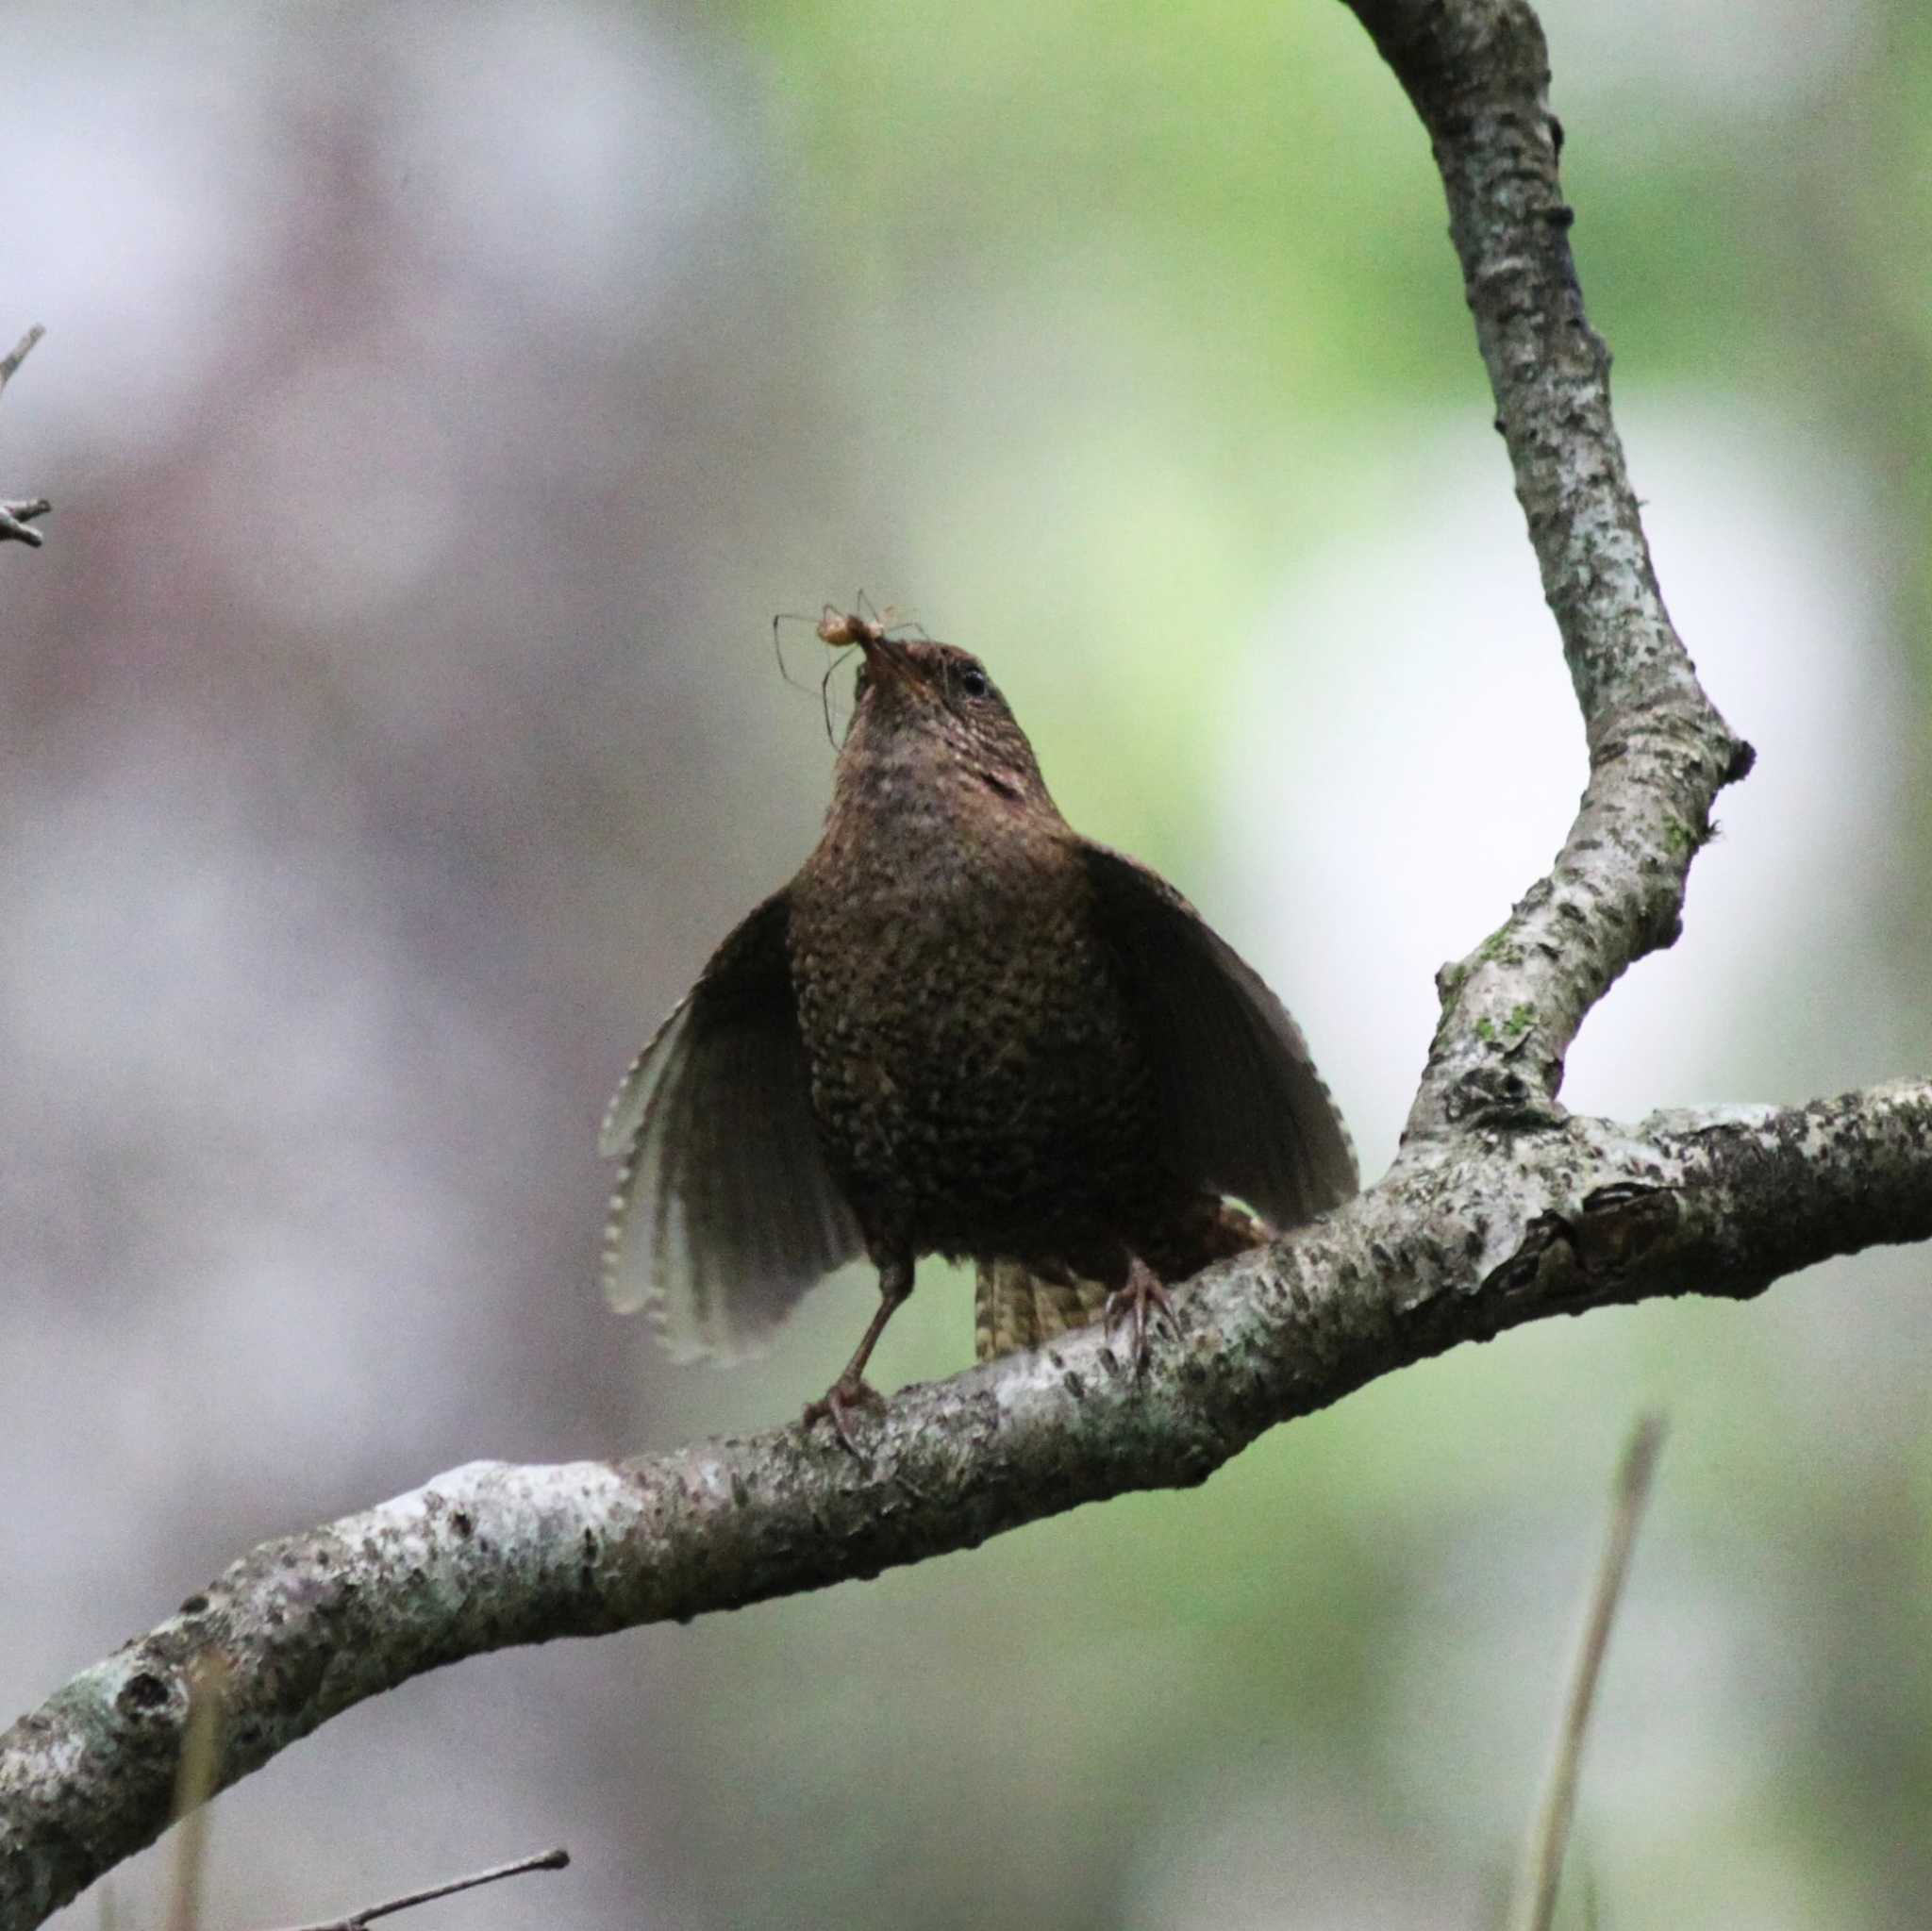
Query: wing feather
725	1211
1249	1114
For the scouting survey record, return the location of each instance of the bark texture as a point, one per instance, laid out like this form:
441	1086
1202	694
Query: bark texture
1477	74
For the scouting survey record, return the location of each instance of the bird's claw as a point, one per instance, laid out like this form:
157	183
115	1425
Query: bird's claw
1129	1304
837	1405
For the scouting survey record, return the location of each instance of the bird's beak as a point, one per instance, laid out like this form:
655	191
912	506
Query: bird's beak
889	663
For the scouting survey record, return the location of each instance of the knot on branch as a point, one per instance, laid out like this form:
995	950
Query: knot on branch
1498	1098
1565	1256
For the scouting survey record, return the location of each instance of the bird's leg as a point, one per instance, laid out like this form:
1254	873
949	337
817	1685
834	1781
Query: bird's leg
851	1391
1130	1305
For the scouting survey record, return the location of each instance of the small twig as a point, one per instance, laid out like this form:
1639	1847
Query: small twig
10	364
545	1860
1535	1901
16	516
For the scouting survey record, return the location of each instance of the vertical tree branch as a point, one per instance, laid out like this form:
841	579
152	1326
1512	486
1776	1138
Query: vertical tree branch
1477	74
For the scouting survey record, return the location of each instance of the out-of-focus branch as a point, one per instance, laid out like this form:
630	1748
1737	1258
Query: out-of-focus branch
16	518
1477	74
1457	1244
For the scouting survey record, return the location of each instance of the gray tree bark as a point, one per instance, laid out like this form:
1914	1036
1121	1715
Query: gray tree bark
1500	1207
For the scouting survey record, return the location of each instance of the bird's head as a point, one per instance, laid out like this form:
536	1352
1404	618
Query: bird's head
923	703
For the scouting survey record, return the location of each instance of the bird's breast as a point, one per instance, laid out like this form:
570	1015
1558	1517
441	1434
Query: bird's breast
972	1056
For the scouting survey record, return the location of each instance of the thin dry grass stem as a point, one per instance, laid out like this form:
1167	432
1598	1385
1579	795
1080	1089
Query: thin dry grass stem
1534	1904
196	1779
543	1860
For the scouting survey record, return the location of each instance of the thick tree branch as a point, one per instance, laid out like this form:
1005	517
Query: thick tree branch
1468	1235
1500	1209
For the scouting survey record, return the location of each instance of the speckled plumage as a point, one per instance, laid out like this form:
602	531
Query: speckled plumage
975	1070
962	1030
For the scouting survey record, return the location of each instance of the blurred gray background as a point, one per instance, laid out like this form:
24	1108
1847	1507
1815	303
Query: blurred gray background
438	404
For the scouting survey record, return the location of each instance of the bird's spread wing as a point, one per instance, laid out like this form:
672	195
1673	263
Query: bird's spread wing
1238	1092
724	1212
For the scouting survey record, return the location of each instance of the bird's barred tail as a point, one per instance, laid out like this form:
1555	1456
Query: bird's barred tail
1013	1308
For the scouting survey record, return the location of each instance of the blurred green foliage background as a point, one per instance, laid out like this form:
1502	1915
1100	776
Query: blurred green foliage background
438	404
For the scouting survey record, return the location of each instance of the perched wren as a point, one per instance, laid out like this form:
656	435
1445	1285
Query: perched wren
961	1029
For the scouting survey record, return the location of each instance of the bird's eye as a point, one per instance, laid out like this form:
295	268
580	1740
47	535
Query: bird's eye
972	681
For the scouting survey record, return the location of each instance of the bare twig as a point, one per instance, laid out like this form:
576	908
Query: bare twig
545	1860
17	516
10	362
1535	1902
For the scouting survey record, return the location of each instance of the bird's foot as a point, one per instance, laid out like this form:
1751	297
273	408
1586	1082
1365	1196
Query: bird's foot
1129	1305
838	1404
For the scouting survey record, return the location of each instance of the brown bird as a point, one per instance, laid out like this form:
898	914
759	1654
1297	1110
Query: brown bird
961	1029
